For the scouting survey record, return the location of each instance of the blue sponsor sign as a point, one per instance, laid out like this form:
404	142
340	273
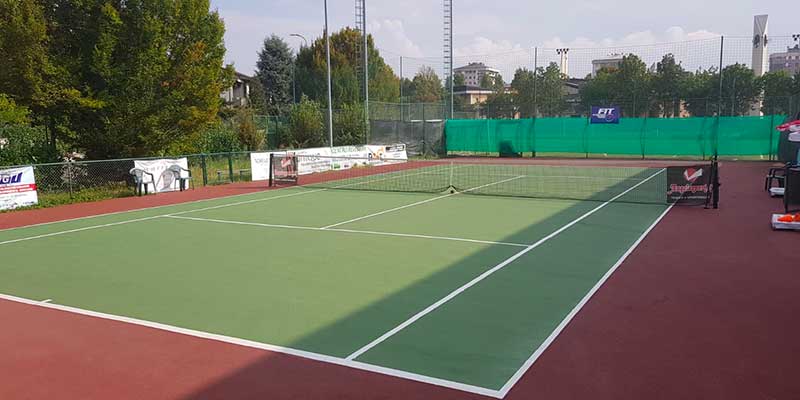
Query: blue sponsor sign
605	115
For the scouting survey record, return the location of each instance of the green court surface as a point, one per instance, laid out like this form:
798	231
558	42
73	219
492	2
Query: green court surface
452	289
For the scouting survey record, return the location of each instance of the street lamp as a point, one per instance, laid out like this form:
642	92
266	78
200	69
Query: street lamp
294	85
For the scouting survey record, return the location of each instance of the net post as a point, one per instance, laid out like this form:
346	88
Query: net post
715	183
271	173
450	181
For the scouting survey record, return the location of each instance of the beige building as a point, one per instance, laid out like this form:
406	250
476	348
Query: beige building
611	62
473	73
788	61
238	95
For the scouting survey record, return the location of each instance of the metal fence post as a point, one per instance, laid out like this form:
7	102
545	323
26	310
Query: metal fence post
230	166
69	177
204	168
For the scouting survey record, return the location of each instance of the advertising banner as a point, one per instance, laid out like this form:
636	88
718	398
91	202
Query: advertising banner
605	115
323	159
259	166
164	180
689	185
17	188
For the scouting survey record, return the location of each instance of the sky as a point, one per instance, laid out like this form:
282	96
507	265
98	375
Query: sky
505	31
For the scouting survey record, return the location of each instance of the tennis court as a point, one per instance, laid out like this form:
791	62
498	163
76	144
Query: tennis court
414	277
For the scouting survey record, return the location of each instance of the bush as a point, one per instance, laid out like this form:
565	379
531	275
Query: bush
349	126
249	136
219	139
305	125
21	144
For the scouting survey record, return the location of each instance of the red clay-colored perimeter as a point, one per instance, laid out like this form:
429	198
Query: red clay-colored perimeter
705	308
43	215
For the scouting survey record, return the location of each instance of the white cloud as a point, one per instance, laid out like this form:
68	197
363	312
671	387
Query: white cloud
640	38
390	34
481	46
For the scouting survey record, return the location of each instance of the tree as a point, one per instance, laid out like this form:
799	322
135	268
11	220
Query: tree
258	99
346	71
778	87
550	87
249	136
116	78
669	84
740	89
274	70
427	86
499	104
218	138
11	113
702	91
305	124
349	125
628	86
524	92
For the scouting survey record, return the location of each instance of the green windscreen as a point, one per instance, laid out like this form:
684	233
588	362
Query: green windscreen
646	137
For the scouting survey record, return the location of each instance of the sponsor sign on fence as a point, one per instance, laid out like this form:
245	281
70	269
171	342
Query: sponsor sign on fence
325	158
605	115
164	180
17	188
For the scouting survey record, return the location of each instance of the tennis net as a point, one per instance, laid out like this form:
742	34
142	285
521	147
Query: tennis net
662	185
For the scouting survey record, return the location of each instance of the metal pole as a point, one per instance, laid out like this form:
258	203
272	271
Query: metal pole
452	78
328	60
366	72
401	88
535	68
719	102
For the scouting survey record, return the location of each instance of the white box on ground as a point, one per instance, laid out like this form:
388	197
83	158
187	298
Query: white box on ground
795	226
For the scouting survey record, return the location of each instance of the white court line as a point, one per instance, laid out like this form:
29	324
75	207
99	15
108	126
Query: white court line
264	346
142	209
487	273
552	337
416	204
354	231
47	300
153	217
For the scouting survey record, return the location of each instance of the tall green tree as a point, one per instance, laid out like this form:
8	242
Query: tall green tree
628	86
274	70
669	85
346	71
114	78
305	125
427	86
525	92
258	99
551	97
779	87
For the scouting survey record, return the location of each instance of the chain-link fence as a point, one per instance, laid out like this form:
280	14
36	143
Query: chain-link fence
80	181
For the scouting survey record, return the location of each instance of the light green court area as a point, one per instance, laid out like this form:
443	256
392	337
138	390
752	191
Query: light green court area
259	267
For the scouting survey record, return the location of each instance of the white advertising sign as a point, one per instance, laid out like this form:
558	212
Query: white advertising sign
325	158
164	180
259	166
17	188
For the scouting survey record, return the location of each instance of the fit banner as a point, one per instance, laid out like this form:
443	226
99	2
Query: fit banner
605	115
689	185
17	188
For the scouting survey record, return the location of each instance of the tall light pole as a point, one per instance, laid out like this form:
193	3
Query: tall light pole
294	85
328	58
